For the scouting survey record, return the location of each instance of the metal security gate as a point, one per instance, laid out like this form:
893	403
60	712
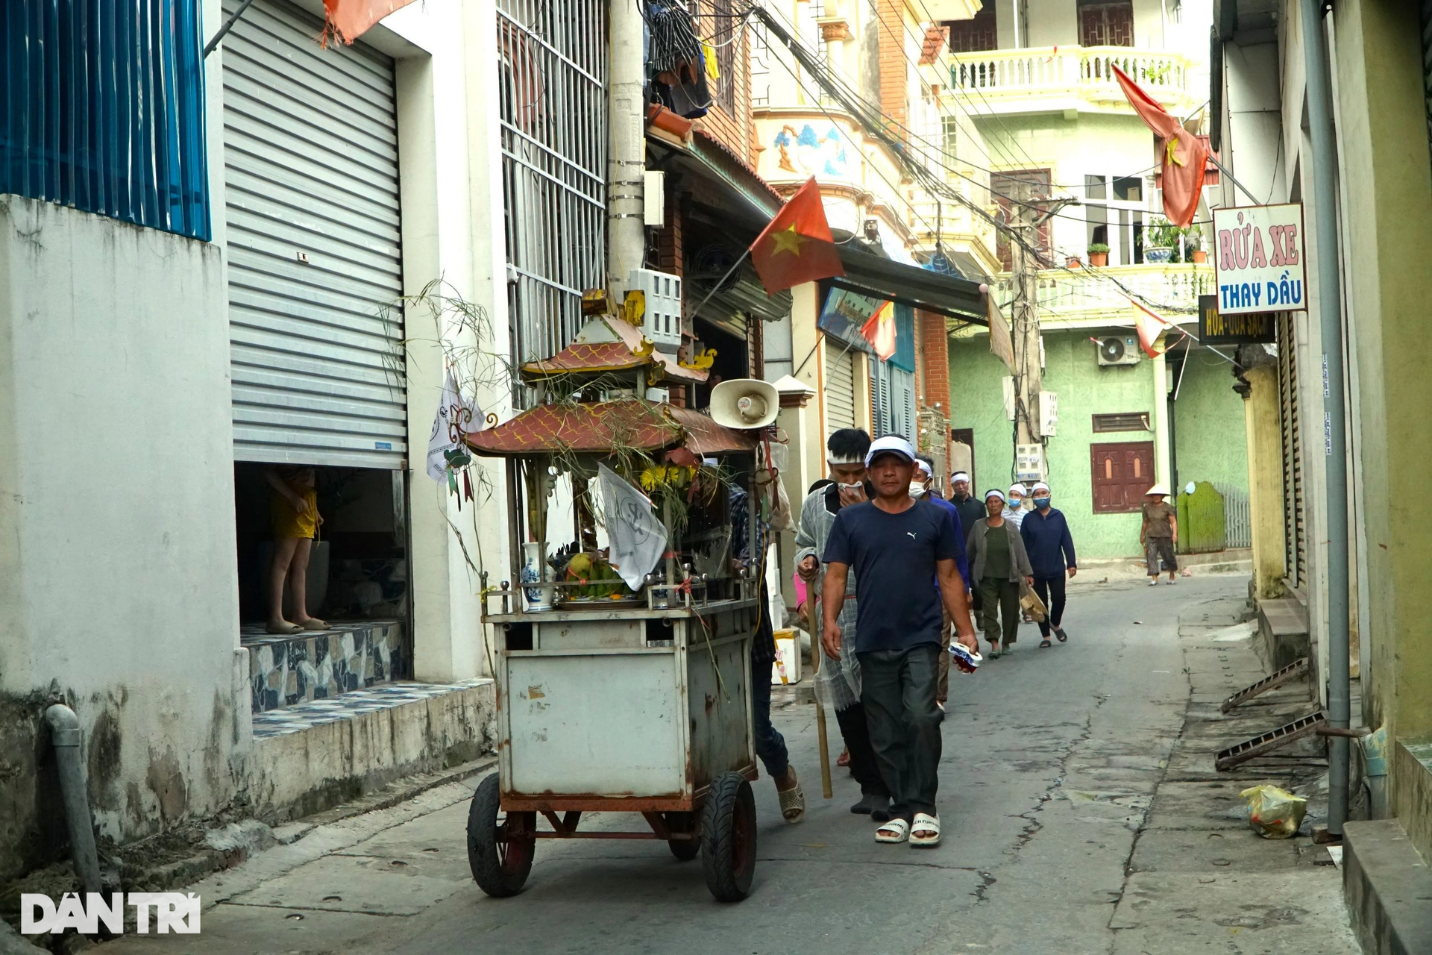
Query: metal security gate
1294	513
839	386
315	266
553	83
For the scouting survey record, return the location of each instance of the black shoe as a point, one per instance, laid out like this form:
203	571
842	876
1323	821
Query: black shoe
873	805
1059	632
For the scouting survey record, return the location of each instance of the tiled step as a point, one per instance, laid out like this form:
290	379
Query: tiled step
321	665
303	716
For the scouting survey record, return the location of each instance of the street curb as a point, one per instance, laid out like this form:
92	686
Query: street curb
186	871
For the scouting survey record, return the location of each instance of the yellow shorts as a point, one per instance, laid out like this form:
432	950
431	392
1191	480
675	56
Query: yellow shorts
286	522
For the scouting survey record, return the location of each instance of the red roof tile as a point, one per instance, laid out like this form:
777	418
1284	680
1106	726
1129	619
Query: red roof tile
606	426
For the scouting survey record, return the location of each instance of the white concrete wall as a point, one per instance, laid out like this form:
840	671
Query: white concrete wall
118	579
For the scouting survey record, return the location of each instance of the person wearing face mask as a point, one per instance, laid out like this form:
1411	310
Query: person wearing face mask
1014	508
839	681
1051	555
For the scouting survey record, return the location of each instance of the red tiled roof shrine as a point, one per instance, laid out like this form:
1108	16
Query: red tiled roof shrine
607	426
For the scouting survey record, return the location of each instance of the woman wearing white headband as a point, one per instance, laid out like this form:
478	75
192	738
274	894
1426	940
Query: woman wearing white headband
997	564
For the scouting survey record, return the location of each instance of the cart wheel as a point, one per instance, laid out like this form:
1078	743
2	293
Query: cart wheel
499	865
728	837
684	849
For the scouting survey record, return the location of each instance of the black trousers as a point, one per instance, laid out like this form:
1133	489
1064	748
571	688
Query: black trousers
898	690
855	731
1051	592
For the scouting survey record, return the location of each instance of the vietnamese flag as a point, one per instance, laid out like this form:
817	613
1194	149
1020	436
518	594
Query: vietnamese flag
350	19
879	331
797	246
1149	326
1183	157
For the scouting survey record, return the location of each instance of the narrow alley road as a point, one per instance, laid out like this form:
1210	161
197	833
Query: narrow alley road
1062	837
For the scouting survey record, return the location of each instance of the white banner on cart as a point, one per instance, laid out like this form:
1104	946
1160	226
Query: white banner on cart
638	538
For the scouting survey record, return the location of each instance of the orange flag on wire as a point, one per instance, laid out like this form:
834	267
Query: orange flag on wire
1183	157
879	330
350	19
1149	327
797	245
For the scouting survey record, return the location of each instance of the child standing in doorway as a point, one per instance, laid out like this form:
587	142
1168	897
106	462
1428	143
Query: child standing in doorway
293	511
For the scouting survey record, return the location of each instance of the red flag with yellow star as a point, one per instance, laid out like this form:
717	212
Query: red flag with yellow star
1183	157
797	246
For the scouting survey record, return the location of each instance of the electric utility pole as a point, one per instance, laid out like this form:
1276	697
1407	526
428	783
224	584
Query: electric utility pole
1024	333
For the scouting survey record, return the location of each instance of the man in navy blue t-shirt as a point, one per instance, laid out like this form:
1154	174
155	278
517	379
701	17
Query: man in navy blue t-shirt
894	547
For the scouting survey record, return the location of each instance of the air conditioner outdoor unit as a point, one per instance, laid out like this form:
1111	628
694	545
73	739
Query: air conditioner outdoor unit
662	321
1118	351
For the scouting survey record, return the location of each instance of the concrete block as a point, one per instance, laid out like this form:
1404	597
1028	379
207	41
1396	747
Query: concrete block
305	772
1388	888
1284	626
1292	911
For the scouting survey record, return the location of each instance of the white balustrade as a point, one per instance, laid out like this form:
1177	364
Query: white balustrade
1082	294
1027	72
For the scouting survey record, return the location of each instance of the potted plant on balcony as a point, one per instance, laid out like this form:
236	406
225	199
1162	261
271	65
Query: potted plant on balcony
1098	254
1073	262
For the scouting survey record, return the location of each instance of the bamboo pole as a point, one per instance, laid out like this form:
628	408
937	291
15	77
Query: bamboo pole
816	652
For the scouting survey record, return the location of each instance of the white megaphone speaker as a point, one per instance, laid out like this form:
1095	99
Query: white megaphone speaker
744	403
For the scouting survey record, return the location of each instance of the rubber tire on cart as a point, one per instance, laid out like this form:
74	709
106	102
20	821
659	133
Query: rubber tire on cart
499	866
684	849
728	837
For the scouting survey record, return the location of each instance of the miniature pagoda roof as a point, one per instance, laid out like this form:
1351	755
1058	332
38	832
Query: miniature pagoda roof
606	426
609	344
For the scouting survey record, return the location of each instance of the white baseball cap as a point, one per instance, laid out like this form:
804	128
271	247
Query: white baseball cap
891	443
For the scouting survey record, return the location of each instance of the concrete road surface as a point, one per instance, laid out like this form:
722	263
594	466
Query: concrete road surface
1064	834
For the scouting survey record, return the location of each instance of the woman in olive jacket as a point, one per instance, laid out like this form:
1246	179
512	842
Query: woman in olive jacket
998	561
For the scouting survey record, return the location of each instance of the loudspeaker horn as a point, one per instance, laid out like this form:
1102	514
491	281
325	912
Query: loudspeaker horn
744	403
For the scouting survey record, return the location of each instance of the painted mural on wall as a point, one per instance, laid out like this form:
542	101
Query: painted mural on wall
810	153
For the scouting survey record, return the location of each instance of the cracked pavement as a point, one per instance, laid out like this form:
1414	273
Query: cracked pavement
1080	809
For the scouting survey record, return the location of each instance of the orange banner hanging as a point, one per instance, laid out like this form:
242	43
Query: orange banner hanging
350	19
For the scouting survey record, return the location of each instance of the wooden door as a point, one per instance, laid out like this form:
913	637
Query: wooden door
962	455
1121	474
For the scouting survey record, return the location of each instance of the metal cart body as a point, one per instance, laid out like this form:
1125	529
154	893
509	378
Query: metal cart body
600	714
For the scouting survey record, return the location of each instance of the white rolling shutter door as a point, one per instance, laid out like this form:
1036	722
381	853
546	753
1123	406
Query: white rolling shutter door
314	263
839	387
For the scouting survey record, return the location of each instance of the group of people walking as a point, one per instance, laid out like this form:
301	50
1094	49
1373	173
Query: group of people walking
887	569
889	573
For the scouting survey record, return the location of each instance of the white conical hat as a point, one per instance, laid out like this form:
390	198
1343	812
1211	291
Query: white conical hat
1157	489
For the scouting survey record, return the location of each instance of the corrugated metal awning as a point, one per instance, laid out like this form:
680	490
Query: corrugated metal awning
910	285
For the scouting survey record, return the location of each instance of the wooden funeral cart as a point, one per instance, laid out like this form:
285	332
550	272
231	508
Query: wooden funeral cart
612	699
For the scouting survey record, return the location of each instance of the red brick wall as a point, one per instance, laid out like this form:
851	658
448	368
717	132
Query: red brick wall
934	357
894	68
736	131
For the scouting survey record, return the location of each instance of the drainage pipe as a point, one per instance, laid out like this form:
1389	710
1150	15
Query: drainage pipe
1325	191
65	736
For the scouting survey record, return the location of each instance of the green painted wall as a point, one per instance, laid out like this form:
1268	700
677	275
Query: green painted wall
1209	425
1084	389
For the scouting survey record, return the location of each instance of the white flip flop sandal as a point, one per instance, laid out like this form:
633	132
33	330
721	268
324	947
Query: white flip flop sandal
925	831
894	831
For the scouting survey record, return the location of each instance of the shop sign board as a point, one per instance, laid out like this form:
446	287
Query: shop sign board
1258	263
1237	329
845	314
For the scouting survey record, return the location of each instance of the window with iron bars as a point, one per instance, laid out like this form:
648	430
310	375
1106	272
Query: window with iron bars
552	109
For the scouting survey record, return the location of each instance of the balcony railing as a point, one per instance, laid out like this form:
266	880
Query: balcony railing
1083	294
1062	71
